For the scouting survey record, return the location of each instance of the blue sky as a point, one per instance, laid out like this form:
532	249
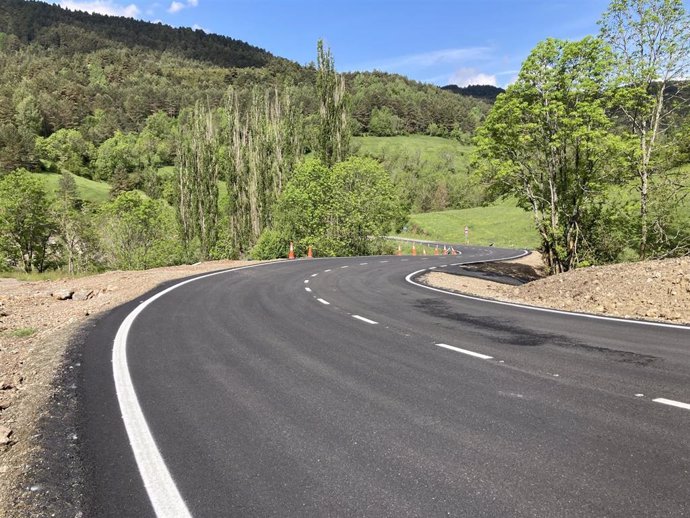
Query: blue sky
436	41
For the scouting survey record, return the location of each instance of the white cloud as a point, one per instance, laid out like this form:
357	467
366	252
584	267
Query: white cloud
101	7
176	7
472	76
197	27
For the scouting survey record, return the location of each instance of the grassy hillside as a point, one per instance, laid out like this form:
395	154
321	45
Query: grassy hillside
94	192
502	224
426	147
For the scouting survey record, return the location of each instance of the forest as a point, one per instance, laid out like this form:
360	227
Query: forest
208	147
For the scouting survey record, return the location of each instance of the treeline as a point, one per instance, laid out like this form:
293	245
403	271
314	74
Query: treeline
239	185
592	138
61	69
68	32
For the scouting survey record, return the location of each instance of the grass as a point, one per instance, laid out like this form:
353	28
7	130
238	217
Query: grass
23	332
428	148
89	190
50	275
502	224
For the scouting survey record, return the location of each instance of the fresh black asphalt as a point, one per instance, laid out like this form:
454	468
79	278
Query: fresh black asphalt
265	402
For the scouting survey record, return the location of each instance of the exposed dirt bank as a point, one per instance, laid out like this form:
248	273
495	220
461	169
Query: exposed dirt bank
653	290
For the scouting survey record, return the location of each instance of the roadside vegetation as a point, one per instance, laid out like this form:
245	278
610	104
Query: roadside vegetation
180	146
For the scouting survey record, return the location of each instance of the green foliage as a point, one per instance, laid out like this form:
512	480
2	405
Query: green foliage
416	106
264	143
548	142
270	245
67	149
198	173
333	144
117	155
429	173
139	233
651	46
384	123
338	210
26	224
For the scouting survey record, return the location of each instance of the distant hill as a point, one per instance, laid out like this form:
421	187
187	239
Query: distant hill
486	92
68	31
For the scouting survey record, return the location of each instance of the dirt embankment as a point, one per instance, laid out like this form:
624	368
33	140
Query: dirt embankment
654	290
37	320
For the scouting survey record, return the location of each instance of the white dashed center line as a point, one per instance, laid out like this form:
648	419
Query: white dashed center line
670	402
306	281
308	290
324	302
383	261
344	266
326	271
363	264
465	351
314	274
364	319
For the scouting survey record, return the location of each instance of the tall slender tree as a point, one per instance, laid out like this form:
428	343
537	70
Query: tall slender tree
198	173
265	143
333	143
651	43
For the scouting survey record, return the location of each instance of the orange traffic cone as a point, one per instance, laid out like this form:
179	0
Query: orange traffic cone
310	255
399	250
436	250
291	255
414	250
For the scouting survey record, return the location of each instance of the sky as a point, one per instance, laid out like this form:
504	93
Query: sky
434	41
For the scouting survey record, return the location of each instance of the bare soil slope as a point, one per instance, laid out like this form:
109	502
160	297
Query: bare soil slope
654	290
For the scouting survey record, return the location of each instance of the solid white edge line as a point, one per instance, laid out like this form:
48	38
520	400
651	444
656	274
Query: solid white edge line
465	351
671	403
364	319
325	302
160	487
537	308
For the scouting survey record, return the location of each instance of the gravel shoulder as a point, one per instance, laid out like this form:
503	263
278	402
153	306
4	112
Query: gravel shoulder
38	321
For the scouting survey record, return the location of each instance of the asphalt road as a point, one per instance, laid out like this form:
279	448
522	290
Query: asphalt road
318	388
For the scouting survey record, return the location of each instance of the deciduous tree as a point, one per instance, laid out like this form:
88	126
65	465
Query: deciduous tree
547	141
651	44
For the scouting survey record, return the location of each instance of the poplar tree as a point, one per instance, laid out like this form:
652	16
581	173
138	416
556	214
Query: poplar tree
264	143
333	143
198	173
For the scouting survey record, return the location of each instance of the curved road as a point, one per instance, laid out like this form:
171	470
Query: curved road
336	387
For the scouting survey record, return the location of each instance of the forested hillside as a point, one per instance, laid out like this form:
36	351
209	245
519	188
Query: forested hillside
97	74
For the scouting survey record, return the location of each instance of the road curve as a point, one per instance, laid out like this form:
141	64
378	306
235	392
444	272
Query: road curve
334	387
